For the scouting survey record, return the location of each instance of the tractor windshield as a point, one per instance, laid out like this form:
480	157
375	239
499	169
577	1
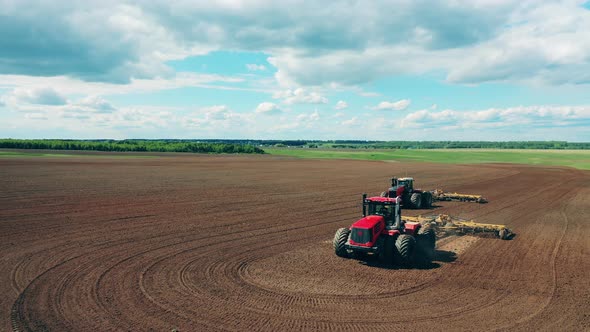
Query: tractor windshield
385	210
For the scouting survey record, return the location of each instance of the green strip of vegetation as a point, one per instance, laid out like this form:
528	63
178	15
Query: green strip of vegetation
574	158
130	146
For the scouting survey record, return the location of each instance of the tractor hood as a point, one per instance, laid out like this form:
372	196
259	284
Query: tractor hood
368	222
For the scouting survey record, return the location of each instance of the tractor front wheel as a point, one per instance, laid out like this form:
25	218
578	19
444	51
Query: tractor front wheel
339	242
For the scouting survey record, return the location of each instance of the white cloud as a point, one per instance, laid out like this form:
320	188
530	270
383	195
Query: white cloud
469	41
255	67
37	96
210	120
268	108
340	105
399	105
300	96
46	100
354	121
36	116
369	94
68	85
308	117
96	103
531	116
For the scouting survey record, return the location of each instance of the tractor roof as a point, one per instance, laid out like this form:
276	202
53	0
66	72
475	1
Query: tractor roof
381	199
367	222
402	179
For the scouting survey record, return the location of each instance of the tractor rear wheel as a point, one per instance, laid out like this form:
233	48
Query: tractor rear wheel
339	242
416	200
426	244
426	200
406	247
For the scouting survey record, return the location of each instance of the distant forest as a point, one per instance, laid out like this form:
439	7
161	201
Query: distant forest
131	145
256	146
358	144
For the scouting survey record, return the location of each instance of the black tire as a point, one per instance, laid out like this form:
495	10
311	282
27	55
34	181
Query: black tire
416	200
503	234
426	244
387	254
426	200
406	247
339	242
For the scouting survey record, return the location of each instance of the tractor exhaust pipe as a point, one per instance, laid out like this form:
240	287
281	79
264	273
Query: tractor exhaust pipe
364	205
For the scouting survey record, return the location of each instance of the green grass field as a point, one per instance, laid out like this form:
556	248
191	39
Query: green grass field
573	158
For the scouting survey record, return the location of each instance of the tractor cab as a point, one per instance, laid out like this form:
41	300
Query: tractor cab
406	182
385	207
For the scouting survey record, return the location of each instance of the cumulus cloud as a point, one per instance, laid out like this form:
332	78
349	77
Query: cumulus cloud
68	85
255	67
96	41
38	103
36	116
37	96
532	116
354	121
341	104
216	116
369	94
268	108
471	41
300	96
399	105
309	43
97	104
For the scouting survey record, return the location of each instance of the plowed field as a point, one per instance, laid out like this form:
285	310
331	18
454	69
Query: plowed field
199	243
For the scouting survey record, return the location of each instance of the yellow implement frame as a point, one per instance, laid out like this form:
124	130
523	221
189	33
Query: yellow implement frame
440	195
448	224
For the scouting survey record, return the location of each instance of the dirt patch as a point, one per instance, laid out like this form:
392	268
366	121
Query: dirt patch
243	243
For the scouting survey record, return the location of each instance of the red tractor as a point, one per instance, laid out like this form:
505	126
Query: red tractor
411	198
383	233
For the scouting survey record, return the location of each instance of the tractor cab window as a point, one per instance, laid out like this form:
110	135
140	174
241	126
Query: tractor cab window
381	209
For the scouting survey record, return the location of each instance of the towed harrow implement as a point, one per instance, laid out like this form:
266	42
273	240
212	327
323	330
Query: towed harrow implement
440	195
451	225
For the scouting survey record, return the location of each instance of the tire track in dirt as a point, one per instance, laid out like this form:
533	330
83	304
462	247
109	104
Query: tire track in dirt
238	243
554	256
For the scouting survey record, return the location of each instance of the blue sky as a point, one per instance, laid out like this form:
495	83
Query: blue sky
384	70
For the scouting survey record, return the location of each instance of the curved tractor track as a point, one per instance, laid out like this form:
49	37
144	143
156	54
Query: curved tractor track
199	243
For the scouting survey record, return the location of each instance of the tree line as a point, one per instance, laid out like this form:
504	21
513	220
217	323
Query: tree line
367	144
130	146
543	145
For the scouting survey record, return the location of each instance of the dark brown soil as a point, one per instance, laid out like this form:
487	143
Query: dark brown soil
198	243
